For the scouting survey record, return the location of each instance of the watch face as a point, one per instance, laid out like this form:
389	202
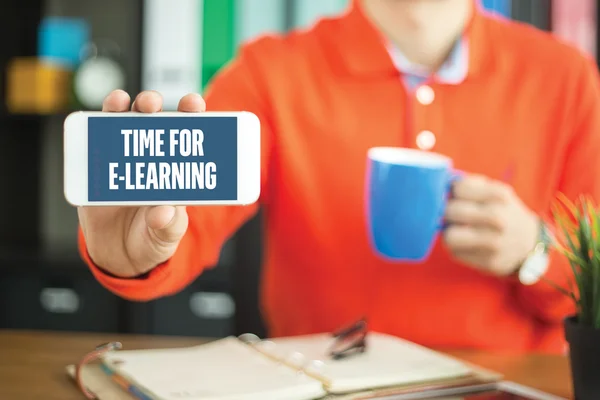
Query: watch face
95	79
533	268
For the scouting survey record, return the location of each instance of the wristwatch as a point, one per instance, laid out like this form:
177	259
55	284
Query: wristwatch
536	264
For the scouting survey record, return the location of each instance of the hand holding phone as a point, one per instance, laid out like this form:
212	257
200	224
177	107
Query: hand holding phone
130	240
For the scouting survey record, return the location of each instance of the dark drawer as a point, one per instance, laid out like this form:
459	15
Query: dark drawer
222	273
203	309
56	300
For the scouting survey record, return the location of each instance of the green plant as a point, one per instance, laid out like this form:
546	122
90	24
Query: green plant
577	237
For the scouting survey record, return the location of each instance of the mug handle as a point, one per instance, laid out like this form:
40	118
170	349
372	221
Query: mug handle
456	175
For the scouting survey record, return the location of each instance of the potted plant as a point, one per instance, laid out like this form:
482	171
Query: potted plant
577	237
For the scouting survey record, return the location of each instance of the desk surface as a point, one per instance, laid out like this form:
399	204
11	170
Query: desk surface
32	364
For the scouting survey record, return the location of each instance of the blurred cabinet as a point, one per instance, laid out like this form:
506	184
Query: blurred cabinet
195	312
58	222
202	309
206	307
19	150
36	216
56	299
18	136
534	12
18	22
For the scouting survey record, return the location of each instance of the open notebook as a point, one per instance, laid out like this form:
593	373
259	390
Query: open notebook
293	368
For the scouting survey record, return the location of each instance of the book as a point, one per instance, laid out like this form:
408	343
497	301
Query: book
499	7
575	22
291	368
218	37
172	49
533	12
256	18
540	14
306	13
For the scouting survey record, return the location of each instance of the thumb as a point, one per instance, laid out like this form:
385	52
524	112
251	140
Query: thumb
167	224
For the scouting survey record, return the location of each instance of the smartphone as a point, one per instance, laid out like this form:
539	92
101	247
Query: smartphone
165	158
504	390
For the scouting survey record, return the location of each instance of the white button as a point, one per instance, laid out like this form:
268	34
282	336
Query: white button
425	140
425	95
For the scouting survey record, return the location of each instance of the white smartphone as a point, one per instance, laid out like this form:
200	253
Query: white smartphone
174	158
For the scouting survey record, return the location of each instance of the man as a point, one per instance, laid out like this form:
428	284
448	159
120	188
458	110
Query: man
515	109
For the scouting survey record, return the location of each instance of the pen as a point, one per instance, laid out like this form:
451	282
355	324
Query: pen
349	341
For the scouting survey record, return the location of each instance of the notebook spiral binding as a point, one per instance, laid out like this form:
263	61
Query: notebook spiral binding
347	341
295	360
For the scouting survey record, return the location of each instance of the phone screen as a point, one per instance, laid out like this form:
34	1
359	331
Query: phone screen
162	158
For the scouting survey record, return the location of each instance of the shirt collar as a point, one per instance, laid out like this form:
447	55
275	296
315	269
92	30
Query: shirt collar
453	71
362	49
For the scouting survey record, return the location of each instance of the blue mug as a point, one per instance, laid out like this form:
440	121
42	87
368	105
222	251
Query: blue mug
406	195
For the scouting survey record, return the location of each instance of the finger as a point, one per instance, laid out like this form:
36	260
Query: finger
477	259
474	213
148	102
479	188
192	103
159	217
167	224
116	101
460	238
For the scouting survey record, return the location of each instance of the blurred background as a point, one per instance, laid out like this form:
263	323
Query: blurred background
57	56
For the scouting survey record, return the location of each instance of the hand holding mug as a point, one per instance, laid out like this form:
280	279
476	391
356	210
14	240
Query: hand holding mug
413	196
489	227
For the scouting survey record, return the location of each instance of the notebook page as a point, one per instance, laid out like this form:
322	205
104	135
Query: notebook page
225	369
388	361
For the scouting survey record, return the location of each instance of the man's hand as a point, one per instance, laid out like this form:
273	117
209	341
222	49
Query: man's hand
489	227
130	241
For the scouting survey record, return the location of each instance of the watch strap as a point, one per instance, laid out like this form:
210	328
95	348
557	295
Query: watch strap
536	264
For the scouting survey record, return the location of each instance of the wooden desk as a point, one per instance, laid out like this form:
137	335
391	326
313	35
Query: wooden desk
32	364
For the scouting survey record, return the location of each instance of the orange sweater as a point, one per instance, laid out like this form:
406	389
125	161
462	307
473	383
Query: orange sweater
528	113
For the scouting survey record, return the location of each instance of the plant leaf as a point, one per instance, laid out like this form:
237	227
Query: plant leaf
568	204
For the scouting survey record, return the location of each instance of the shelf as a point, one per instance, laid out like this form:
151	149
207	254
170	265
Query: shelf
28	258
7	114
28	118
